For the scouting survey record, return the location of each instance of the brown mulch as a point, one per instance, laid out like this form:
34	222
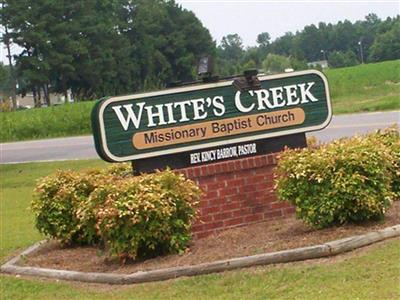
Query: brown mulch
254	239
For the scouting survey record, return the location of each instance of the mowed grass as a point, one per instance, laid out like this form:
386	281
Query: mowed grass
16	191
363	88
370	273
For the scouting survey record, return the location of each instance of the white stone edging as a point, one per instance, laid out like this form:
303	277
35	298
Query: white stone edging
311	252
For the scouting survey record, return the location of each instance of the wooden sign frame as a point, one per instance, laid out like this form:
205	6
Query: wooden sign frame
308	82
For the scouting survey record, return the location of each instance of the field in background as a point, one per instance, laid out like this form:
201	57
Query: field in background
363	88
47	122
370	274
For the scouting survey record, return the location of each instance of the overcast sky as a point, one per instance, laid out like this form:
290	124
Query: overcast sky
249	18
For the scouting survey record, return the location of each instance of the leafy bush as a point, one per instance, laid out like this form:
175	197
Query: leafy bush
390	137
121	170
132	216
144	216
58	199
347	180
5	106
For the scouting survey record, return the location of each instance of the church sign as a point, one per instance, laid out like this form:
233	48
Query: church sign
207	116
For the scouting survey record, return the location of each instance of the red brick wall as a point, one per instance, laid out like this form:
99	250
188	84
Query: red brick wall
236	193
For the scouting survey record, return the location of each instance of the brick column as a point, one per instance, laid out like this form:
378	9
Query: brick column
236	193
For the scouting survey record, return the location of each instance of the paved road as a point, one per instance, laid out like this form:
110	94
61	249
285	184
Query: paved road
83	147
349	125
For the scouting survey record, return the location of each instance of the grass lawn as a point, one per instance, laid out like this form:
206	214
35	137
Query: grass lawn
370	273
365	88
362	88
17	183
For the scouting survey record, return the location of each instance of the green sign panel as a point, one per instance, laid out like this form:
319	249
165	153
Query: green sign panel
209	115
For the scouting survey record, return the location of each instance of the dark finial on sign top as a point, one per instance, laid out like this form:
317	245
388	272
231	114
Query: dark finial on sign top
248	81
205	69
205	66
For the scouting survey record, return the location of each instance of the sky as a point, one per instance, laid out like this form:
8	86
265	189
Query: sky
249	18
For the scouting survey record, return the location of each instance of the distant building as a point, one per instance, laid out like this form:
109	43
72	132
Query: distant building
322	63
27	100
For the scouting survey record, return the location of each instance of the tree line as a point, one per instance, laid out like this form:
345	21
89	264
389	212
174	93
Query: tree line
342	44
102	47
95	48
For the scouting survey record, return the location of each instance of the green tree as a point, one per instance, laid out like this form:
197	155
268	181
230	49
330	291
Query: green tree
297	64
340	59
253	56
5	82
105	47
44	29
231	55
283	45
166	40
309	41
231	47
386	45
344	36
276	63
263	39
103	52
7	40
250	64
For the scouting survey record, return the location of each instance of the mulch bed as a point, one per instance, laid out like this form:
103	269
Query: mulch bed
254	239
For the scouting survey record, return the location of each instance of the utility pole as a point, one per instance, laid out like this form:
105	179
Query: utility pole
323	54
361	51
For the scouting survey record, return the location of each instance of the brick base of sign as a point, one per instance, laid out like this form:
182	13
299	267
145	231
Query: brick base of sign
236	193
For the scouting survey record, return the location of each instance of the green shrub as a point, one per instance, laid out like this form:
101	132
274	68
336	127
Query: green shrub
121	170
133	216
347	180
144	216
61	197
390	137
56	204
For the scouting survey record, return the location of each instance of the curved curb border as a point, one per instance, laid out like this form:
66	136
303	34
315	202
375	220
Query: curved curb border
318	251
